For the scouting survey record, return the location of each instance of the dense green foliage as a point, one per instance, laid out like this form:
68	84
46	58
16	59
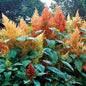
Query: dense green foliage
15	9
71	6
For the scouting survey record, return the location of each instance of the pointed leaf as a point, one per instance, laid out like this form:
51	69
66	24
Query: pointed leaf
51	43
21	38
32	54
36	83
5	41
32	38
57	71
40	67
67	64
78	64
39	31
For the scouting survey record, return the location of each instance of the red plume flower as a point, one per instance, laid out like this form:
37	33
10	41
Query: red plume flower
2	46
30	71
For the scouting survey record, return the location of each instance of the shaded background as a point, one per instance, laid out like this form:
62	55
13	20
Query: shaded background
15	9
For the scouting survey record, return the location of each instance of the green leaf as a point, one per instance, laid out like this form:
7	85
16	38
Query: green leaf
17	49
54	57
26	81
57	71
39	31
32	38
69	59
36	83
61	85
60	42
53	29
83	29
7	75
16	84
6	83
2	70
51	43
48	62
45	21
21	38
11	54
40	67
73	56
26	62
17	64
48	79
60	34
78	64
2	66
56	78
21	75
14	69
5	41
47	51
22	69
68	65
83	56
76	83
40	74
32	54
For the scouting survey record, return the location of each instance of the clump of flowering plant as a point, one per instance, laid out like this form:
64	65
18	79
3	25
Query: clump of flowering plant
49	52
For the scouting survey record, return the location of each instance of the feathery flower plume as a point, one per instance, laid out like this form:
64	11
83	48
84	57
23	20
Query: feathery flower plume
11	31
23	26
74	43
35	19
39	47
30	71
58	21
76	21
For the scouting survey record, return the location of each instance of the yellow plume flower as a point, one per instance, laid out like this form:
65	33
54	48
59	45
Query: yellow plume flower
74	43
23	26
77	21
69	19
11	31
35	19
39	47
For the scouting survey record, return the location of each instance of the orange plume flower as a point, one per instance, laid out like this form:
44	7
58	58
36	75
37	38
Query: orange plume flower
58	21
43	23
